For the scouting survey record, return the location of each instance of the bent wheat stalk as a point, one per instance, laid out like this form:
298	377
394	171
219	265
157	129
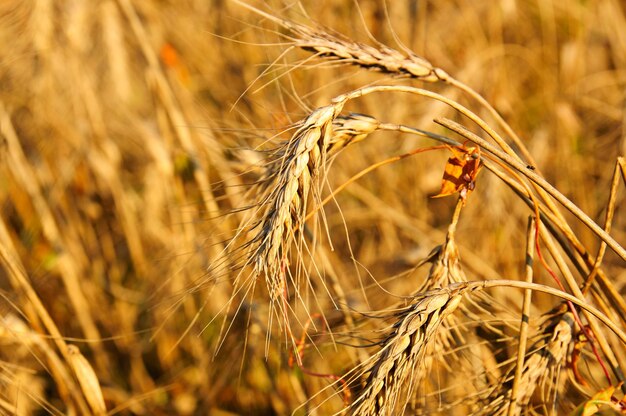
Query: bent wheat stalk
337	48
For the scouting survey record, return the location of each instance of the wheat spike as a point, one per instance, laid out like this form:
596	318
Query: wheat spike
550	354
338	48
291	177
293	170
397	368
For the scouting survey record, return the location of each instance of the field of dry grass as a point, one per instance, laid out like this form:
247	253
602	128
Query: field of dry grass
209	208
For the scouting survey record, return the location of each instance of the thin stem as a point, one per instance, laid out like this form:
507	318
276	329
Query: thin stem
523	329
610	211
455	217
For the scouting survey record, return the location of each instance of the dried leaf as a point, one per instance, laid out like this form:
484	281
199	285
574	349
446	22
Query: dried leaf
460	172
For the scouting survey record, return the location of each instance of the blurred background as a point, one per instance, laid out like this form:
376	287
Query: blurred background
129	127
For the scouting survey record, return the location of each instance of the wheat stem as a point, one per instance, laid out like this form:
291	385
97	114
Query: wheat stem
523	330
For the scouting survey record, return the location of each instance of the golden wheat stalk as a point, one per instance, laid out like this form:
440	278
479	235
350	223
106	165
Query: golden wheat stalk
290	178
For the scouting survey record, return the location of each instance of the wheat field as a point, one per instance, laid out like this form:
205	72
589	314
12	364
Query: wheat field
368	207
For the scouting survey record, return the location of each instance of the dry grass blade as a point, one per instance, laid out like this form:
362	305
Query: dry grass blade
23	343
524	322
70	269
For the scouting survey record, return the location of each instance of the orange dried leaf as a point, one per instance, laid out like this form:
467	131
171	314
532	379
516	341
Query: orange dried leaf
460	172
